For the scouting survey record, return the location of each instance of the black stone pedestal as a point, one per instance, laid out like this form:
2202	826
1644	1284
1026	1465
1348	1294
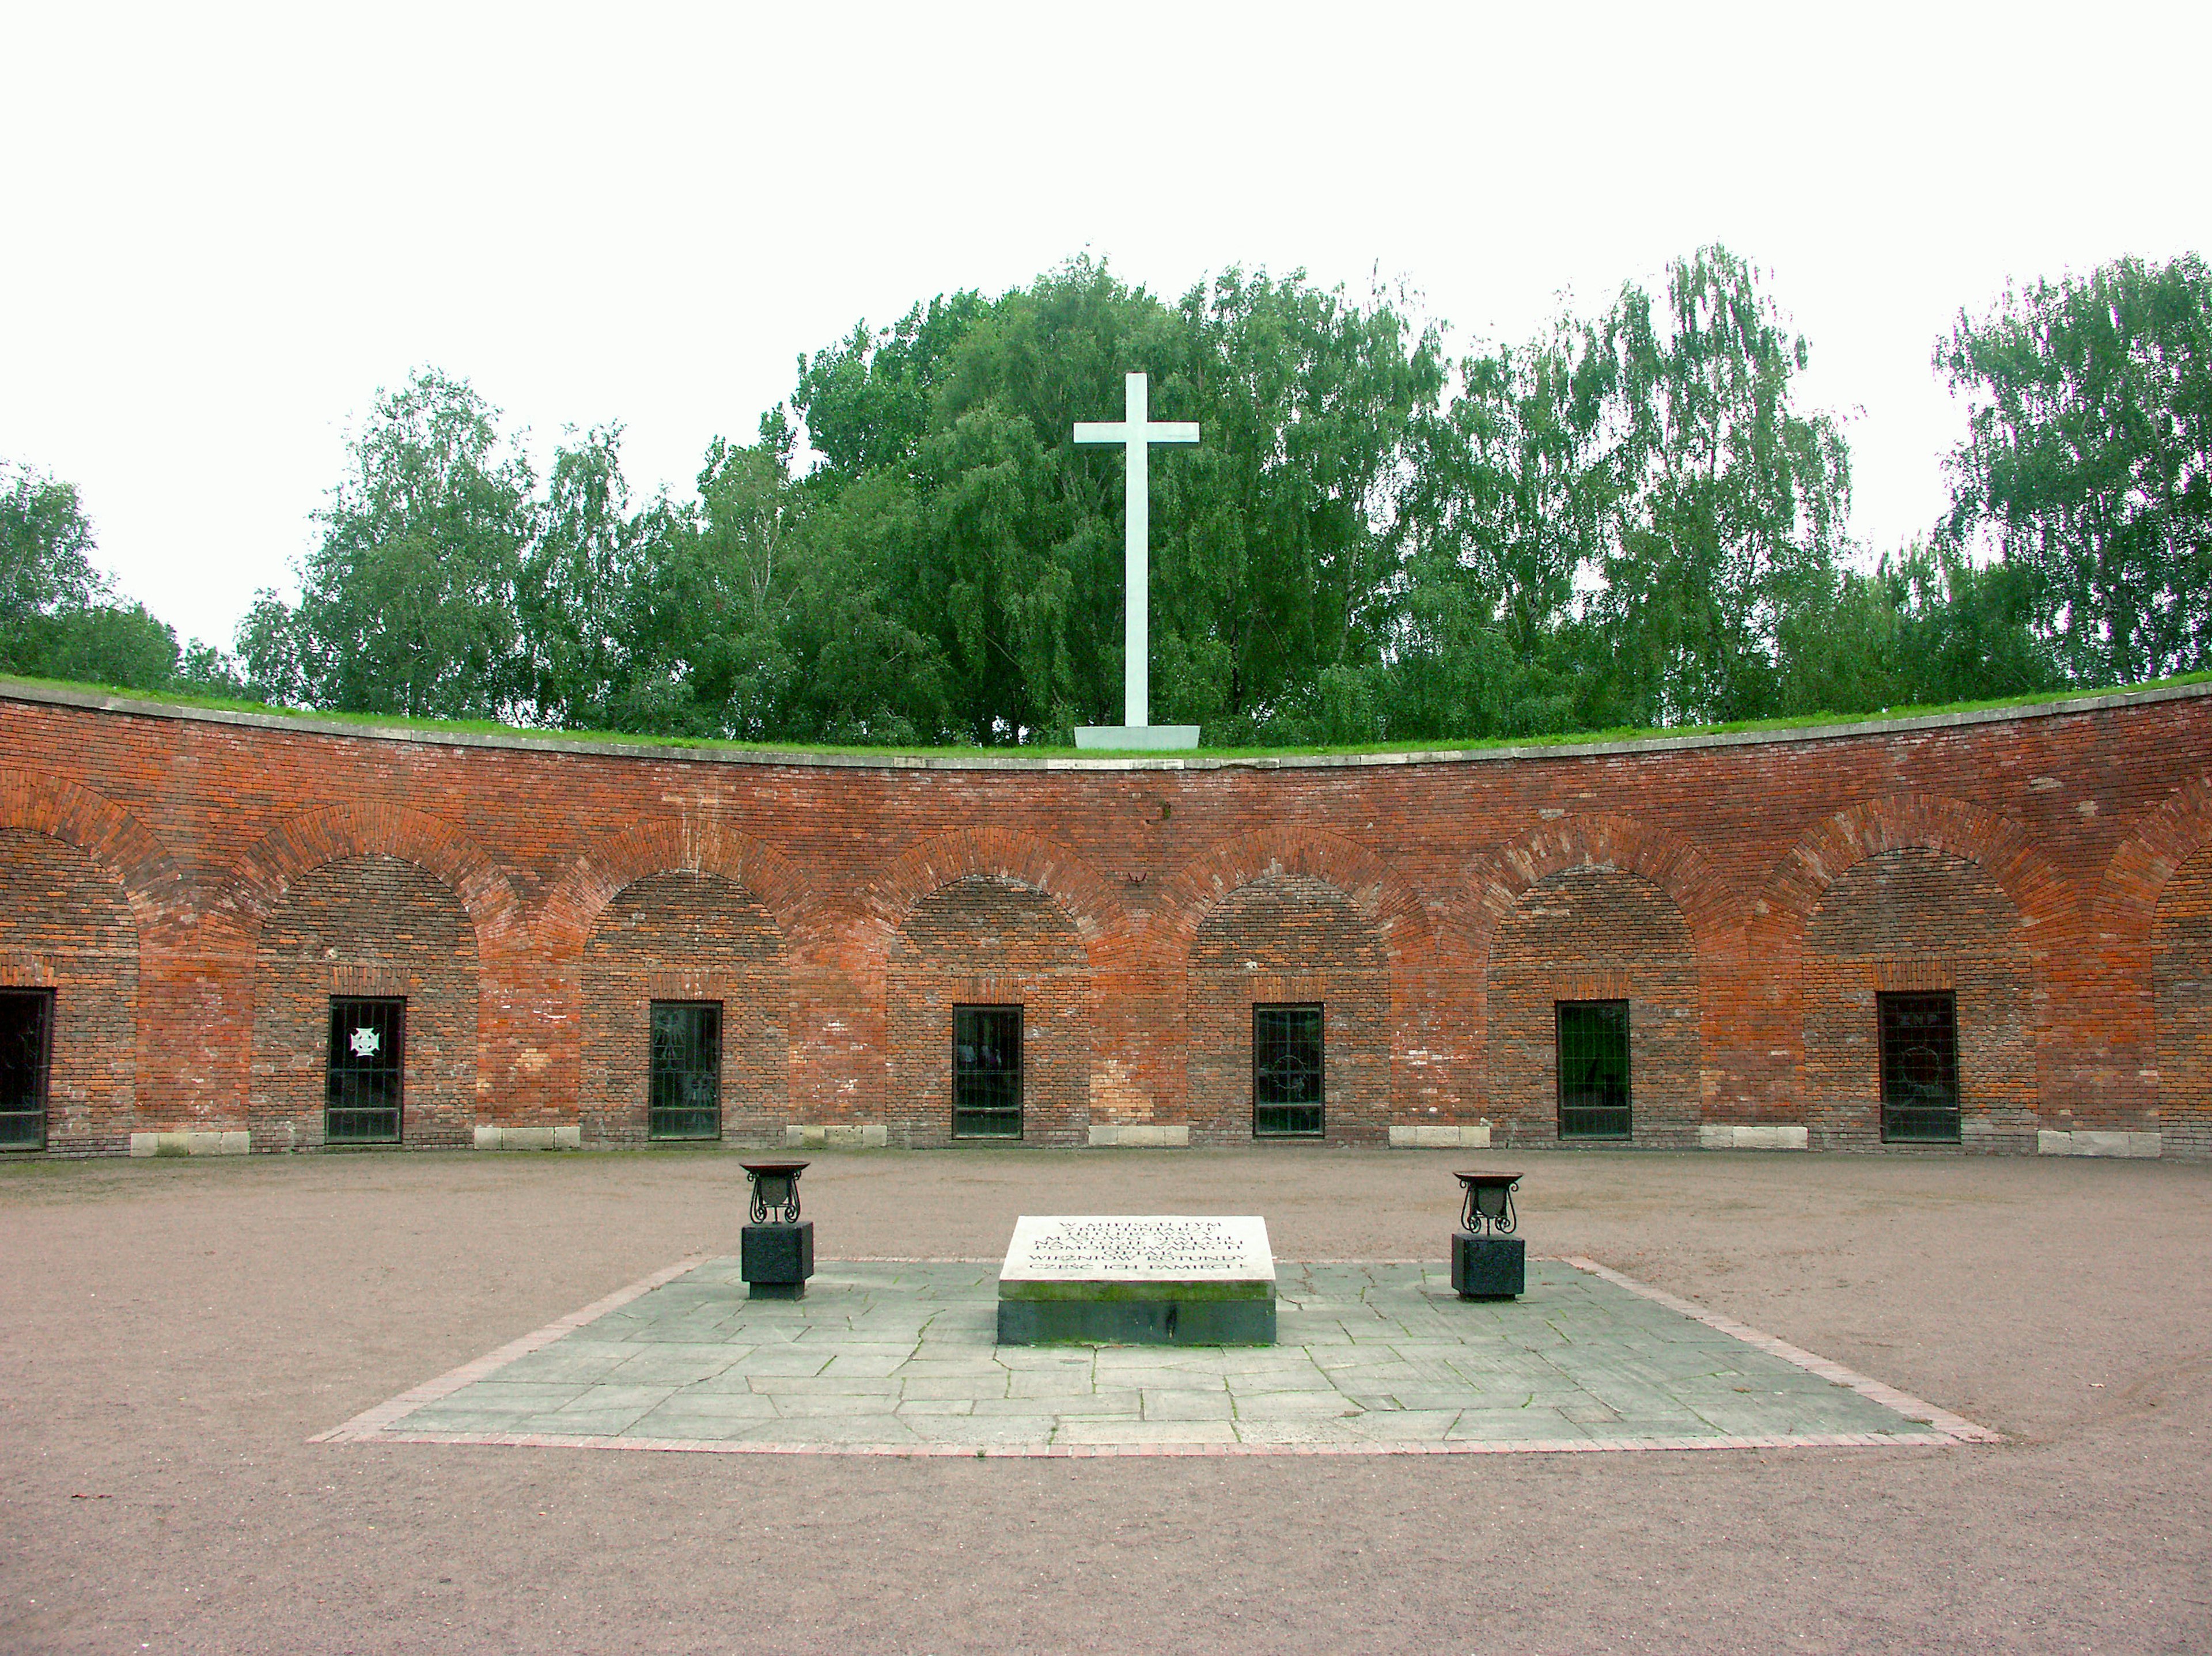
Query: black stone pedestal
1248	1320
1488	1267
775	1260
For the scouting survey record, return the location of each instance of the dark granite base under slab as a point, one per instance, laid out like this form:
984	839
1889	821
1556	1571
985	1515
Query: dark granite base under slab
1137	1322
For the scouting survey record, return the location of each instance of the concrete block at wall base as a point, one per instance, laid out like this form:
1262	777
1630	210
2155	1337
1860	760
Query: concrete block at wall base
1421	1137
1139	1134
836	1136
1726	1135
569	1137
2082	1143
191	1144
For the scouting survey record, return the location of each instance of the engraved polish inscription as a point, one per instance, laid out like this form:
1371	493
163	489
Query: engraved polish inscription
1163	1247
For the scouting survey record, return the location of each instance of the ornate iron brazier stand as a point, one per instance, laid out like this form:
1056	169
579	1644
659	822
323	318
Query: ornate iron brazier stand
1488	1261
775	1257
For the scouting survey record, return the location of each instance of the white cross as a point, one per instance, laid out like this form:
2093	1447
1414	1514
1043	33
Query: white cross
1140	434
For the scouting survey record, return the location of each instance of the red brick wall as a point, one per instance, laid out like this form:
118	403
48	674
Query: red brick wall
1096	880
982	941
1288	938
1594	933
690	937
2182	957
64	926
1907	920
364	926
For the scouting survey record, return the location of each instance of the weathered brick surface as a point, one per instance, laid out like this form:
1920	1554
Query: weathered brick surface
1594	933
1288	938
1458	884
686	936
2182	955
364	926
988	941
65	926
1918	920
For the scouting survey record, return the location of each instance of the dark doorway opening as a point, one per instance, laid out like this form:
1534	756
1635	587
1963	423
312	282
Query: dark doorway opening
26	1019
684	1090
1288	1084
367	1071
1593	1067
1919	1068
987	1072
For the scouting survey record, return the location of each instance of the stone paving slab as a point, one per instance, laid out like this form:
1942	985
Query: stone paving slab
898	1357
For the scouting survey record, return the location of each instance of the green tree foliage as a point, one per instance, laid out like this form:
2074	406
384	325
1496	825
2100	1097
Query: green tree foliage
710	602
1727	507
59	617
1617	524
870	399
2087	461
1286	580
577	587
1505	524
1628	520
45	543
207	670
410	604
980	534
1925	627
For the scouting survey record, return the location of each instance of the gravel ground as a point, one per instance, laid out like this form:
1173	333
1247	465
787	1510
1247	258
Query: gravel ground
175	1332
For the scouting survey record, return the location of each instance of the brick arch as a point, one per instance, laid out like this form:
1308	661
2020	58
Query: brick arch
1595	929
310	841
116	842
671	934
1381	998
1915	822
663	845
1709	906
1091	903
2137	875
1383	899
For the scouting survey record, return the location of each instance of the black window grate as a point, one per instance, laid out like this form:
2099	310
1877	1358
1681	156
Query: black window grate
367	1071
686	1088
1919	1068
26	1017
1288	1088
987	1072
1593	1054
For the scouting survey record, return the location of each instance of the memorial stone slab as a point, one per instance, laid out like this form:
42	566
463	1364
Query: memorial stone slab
1150	1279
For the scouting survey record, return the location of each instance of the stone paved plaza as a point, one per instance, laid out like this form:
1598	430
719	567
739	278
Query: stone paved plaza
175	1333
900	1357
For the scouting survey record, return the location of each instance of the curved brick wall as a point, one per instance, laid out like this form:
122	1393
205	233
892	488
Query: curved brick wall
986	940
2182	957
195	885
378	926
1594	932
683	935
65	927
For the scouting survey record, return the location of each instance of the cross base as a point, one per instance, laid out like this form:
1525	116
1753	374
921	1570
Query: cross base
1148	738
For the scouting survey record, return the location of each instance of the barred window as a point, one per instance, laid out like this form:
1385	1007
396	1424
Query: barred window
987	1072
367	1071
1592	1069
683	1088
1288	1085
1919	1068
25	1018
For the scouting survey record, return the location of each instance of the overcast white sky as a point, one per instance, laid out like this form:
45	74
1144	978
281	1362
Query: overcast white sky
227	227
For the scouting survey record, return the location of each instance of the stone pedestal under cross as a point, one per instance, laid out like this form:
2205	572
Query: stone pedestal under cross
1138	432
